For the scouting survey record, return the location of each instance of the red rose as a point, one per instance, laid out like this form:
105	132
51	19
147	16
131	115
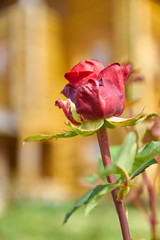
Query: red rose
97	92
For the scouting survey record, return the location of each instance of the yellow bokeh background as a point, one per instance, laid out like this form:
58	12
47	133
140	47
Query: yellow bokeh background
40	41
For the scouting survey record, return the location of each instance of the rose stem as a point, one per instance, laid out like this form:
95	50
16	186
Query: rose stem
106	157
152	199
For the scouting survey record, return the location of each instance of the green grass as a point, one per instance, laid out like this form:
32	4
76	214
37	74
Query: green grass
37	221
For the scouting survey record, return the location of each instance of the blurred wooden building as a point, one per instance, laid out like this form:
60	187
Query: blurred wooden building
39	41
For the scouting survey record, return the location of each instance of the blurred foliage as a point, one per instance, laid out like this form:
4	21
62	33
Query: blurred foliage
36	221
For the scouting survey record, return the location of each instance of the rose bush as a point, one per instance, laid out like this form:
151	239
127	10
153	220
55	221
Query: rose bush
95	99
94	92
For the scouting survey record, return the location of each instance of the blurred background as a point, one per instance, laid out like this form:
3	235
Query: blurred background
40	40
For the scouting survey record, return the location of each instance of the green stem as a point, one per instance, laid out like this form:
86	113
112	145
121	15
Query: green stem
105	152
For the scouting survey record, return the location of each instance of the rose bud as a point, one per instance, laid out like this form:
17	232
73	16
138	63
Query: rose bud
97	92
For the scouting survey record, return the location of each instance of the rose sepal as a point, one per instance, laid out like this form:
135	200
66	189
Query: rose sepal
87	127
69	110
43	137
113	122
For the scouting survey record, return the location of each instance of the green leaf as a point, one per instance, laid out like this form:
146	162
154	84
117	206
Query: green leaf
90	195
128	152
141	169
124	158
48	137
114	151
131	162
97	198
148	153
128	162
113	169
94	201
122	122
92	178
88	127
78	204
100	165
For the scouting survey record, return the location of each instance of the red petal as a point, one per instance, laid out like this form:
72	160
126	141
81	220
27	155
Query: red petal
117	74
83	71
77	79
87	101
69	92
126	72
97	102
92	65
